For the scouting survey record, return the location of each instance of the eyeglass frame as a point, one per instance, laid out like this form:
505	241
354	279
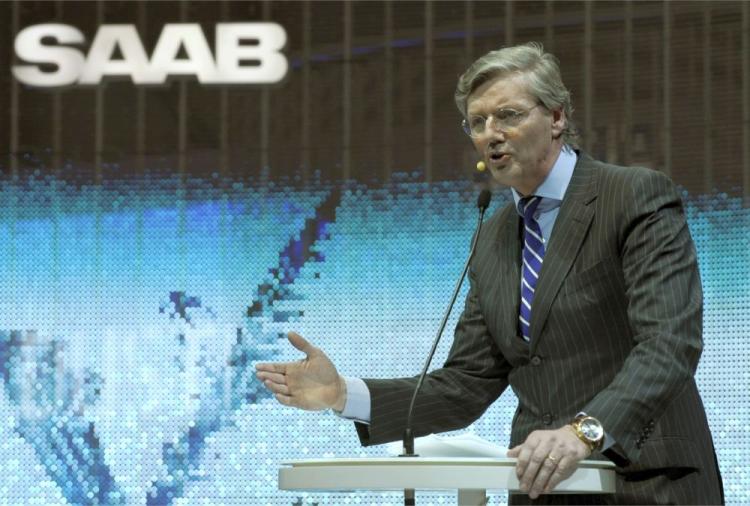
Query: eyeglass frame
499	128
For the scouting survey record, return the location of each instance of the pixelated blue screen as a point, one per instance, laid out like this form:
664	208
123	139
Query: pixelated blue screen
132	314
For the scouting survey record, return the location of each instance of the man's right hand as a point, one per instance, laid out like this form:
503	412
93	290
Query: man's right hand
311	383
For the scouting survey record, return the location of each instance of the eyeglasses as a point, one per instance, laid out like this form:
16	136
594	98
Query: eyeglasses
502	120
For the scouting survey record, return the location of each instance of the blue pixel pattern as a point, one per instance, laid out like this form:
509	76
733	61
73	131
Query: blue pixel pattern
132	314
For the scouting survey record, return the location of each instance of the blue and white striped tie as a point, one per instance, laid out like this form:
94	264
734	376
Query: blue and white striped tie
533	254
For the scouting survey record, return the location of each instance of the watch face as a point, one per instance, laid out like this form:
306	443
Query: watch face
592	429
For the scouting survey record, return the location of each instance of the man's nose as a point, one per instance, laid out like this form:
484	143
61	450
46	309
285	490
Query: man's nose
491	136
495	138
488	141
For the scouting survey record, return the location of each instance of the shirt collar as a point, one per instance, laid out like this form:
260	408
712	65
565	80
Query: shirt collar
553	188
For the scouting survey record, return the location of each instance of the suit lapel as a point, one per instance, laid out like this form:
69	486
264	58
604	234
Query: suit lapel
571	226
508	249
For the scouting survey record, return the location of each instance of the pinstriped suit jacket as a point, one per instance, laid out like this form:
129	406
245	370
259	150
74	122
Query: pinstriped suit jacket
615	328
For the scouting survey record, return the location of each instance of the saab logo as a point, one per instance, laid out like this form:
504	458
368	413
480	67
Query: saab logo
245	53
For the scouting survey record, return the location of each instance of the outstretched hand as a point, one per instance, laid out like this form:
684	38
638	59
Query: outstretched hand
311	383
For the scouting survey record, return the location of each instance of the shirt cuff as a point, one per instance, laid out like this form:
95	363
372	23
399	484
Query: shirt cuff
357	406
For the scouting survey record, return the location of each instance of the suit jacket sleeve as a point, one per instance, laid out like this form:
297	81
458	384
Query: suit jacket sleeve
664	310
473	376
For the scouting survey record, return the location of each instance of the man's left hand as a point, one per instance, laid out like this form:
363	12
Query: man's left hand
546	458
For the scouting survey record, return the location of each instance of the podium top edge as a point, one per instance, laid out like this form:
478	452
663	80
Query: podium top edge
414	461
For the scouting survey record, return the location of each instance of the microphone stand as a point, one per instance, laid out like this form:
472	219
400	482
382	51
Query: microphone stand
482	203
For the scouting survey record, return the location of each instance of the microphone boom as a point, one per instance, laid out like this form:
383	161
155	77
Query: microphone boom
483	202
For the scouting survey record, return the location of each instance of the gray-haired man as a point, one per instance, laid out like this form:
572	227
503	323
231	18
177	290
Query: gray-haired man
585	298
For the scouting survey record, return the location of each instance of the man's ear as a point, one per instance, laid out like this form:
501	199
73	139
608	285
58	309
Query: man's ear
559	122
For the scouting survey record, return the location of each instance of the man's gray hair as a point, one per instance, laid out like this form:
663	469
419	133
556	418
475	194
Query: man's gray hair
540	70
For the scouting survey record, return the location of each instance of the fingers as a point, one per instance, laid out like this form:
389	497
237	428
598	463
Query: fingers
276	371
564	469
523	453
547	468
274	381
284	399
312	383
532	462
271	367
272	376
278	388
300	343
550	471
545	459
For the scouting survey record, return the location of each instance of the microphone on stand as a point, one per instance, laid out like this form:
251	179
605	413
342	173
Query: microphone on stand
483	202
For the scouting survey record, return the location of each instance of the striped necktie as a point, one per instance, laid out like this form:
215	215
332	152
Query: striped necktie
533	253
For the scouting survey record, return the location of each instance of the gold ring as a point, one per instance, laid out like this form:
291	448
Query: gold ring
553	459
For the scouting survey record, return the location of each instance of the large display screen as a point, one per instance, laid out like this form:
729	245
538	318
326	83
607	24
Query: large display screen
132	314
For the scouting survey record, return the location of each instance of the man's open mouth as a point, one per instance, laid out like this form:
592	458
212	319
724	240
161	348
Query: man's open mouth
498	157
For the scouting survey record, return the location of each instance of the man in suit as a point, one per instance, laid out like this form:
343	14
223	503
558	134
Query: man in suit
585	298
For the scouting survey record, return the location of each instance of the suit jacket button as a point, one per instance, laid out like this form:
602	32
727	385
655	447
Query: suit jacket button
547	419
536	360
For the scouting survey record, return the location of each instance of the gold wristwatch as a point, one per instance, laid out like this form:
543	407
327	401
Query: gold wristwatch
589	430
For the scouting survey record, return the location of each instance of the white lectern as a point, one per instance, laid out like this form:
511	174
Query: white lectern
472	477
